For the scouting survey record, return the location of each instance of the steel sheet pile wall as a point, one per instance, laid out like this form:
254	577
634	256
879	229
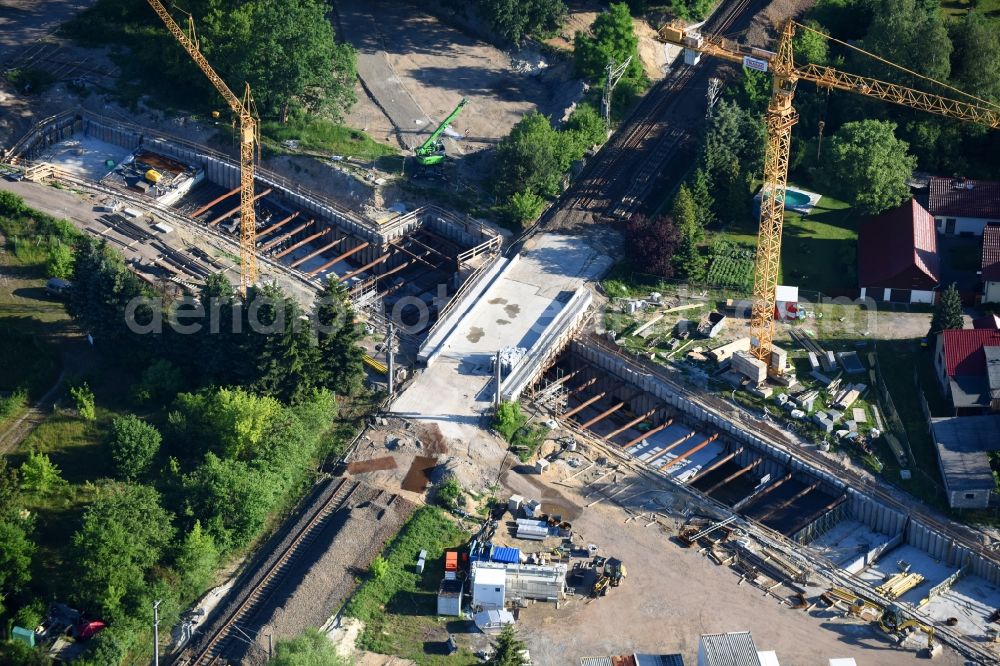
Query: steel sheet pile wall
942	547
862	508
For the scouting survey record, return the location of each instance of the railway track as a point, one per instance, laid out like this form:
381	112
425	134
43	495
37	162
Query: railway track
213	650
617	181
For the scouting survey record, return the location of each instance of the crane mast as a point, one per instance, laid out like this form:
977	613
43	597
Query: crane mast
780	118
248	143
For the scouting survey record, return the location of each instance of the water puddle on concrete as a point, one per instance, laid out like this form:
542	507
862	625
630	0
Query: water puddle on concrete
512	310
502	322
497	301
416	478
475	334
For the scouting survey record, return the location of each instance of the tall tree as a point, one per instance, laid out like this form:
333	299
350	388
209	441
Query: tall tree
948	311
651	244
509	650
612	37
133	444
285	49
16	551
514	19
196	559
911	33
685	214
288	363
530	158
689	262
811	45
341	358
231	498
868	166
123	535
977	56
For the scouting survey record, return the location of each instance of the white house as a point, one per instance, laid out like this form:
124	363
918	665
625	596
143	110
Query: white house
897	256
963	205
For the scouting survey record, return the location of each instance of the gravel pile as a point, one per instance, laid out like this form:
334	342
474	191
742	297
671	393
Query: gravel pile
316	587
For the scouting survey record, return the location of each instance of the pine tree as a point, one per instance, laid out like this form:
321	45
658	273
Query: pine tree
701	190
685	214
509	649
340	358
689	262
288	361
948	311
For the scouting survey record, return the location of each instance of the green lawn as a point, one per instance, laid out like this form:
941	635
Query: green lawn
317	134
399	609
818	251
959	8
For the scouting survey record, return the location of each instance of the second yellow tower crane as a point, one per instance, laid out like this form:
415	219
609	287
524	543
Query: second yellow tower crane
780	118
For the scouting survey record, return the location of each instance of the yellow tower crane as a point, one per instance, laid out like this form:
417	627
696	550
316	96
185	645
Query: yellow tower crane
248	143
781	116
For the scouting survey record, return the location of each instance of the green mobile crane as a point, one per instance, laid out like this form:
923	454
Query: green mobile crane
431	151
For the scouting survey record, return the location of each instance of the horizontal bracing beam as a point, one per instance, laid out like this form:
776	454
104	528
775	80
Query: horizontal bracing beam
237	209
214	201
370	264
651	431
352	251
670	447
328	246
304	241
630	424
716	465
788	502
277	225
735	475
690	452
583	405
752	498
603	415
816	514
282	238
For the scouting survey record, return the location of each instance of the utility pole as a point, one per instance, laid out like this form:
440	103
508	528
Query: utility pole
714	88
614	75
496	368
270	647
156	633
390	355
819	143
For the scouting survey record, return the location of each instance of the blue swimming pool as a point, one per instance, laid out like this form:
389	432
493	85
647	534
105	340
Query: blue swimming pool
795	199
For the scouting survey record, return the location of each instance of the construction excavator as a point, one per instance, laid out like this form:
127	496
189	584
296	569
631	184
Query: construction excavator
889	619
894	622
431	151
611	576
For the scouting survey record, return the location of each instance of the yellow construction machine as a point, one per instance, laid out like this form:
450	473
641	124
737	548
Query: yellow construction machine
611	576
889	619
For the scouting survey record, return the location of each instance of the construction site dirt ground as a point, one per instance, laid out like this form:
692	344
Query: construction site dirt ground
672	595
418	69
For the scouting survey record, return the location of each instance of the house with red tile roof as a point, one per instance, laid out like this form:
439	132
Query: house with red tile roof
898	257
968	367
963	205
989	270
